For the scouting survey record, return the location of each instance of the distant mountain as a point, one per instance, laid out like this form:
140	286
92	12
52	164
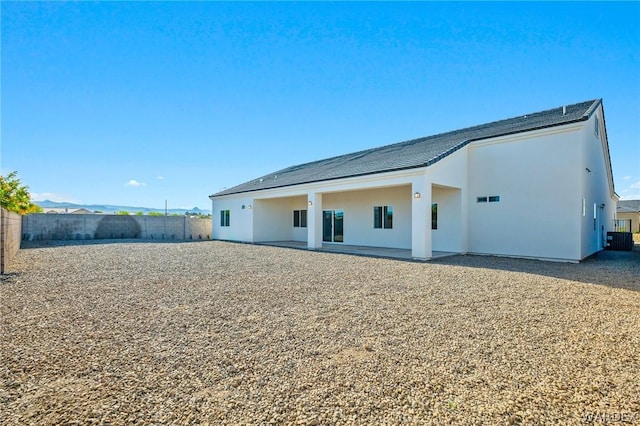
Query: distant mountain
107	208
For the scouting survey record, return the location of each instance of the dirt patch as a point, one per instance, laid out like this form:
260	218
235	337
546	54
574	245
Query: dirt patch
153	333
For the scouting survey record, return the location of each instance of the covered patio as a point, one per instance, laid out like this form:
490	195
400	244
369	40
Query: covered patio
382	252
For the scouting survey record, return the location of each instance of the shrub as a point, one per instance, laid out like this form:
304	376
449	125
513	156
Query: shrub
15	197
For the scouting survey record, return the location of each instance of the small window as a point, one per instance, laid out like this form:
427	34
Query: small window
584	207
488	199
434	216
597	127
383	217
299	218
224	217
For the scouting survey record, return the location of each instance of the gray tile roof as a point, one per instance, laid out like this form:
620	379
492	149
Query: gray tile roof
413	153
628	206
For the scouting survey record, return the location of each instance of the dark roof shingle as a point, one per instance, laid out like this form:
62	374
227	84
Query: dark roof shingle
628	206
413	153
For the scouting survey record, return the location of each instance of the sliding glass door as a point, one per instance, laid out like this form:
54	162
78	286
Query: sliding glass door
333	226
338	226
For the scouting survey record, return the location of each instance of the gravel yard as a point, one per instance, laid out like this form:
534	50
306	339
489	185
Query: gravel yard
212	332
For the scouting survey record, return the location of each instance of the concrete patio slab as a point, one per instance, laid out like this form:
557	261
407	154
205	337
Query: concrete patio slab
383	252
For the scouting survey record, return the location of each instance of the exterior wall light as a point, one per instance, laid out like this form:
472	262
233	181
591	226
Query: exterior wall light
249	207
416	195
310	202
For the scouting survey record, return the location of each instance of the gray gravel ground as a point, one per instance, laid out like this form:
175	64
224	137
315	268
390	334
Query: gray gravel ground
134	332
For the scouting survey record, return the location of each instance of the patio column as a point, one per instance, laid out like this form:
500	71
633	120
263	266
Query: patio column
421	219
314	220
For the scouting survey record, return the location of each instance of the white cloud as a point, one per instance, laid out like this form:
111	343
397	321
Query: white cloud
160	177
51	196
630	192
626	177
630	197
135	183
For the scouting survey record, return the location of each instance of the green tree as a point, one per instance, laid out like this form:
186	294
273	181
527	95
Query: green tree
15	197
198	215
122	213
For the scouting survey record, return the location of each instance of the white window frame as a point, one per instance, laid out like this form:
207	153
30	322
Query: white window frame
302	218
225	218
386	212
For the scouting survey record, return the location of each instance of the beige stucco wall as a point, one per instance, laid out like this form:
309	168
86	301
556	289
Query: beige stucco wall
537	179
358	215
635	220
594	187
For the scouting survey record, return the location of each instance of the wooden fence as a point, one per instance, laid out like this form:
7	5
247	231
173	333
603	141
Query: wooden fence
11	224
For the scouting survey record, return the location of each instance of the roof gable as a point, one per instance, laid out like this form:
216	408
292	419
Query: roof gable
414	153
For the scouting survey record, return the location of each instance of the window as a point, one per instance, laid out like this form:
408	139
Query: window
383	217
299	218
490	199
434	216
388	217
584	207
224	217
597	127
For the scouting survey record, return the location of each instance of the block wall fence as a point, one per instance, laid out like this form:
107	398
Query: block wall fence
42	227
11	224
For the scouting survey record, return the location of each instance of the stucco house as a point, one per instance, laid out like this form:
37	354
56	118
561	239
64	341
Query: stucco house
535	186
629	211
66	210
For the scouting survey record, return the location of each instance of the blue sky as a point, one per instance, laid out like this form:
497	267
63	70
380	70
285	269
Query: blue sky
138	103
